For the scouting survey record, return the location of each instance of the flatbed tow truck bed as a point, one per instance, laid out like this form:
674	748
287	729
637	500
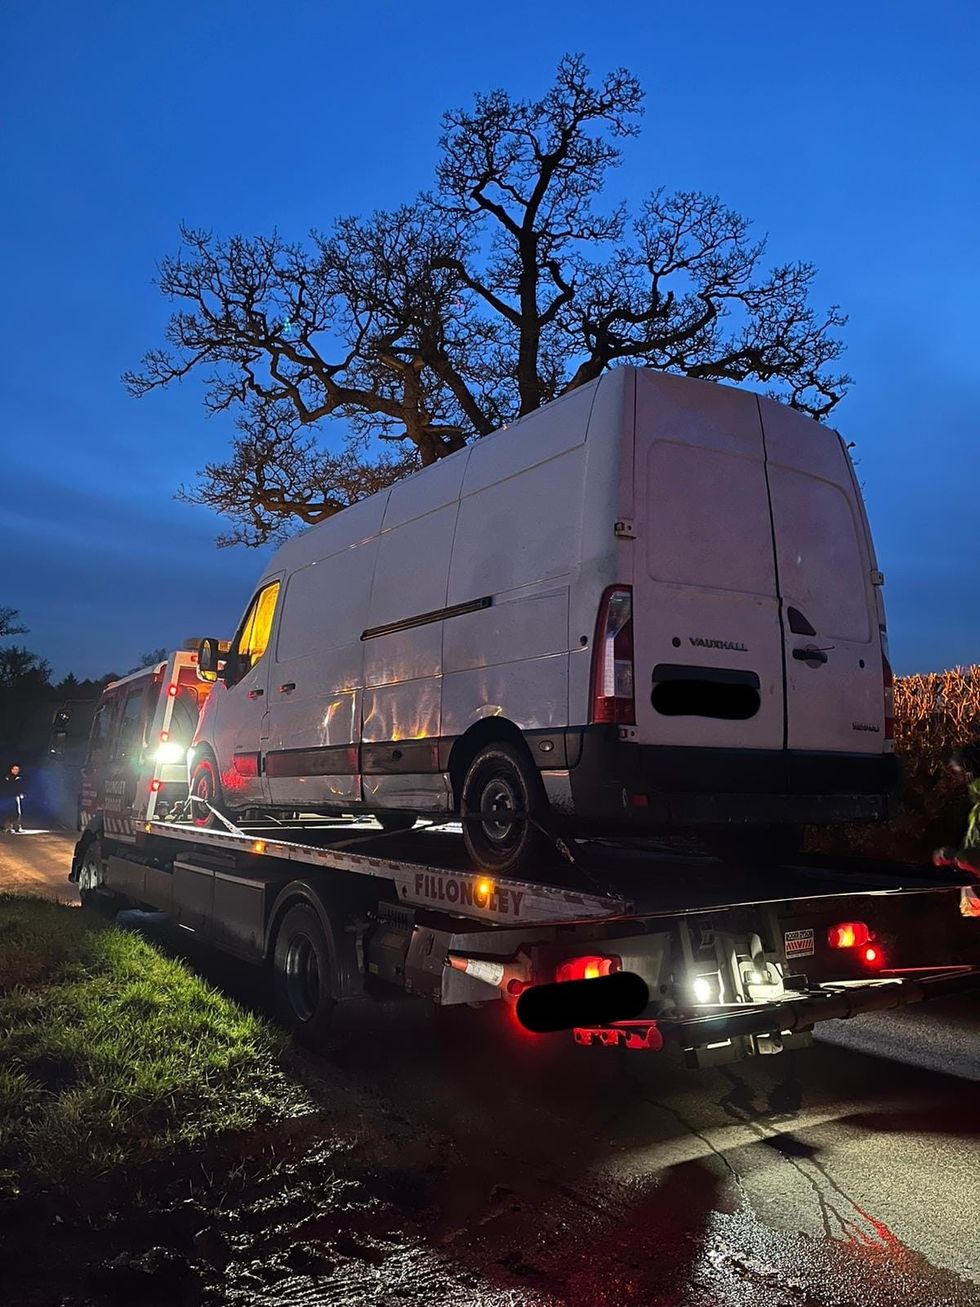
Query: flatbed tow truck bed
737	960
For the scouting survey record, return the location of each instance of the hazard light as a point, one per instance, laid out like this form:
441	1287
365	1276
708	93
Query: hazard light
848	934
589	967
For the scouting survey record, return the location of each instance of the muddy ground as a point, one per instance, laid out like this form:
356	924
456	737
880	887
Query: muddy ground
475	1165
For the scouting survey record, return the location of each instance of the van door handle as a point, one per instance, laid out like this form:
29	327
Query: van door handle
255	694
810	655
287	687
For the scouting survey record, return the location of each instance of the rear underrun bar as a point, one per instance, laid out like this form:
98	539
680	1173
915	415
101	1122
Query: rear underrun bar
800	1014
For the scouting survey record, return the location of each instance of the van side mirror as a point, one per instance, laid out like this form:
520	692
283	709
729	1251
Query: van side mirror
208	661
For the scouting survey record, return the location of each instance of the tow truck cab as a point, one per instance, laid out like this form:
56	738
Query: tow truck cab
135	767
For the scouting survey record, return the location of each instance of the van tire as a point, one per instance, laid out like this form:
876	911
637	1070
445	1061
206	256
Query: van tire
502	779
302	965
395	821
204	784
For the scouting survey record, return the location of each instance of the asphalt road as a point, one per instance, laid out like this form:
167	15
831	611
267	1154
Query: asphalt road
37	861
520	1170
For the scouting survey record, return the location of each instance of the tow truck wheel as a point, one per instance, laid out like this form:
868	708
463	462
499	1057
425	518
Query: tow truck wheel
501	792
302	967
206	787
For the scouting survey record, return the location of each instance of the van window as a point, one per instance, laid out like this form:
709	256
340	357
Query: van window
99	732
257	627
129	735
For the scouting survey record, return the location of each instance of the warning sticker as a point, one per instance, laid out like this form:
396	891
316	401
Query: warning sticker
799	943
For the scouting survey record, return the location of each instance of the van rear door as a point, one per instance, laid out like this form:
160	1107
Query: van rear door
834	698
707	641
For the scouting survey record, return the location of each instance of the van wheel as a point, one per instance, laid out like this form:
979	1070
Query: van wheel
395	821
302	967
206	787
500	791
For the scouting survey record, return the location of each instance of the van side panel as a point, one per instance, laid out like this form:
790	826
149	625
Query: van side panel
517	543
316	685
825	573
403	668
606	493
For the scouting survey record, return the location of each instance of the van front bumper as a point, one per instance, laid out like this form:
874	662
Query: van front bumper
644	785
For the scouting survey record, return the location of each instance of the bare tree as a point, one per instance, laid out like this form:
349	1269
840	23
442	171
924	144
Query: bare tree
9	625
506	285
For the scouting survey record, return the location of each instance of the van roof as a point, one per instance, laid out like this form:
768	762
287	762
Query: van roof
283	560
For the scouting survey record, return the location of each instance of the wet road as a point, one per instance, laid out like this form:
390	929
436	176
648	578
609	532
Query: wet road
460	1160
37	861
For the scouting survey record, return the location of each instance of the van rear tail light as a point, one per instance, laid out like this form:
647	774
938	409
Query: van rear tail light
612	659
848	934
589	967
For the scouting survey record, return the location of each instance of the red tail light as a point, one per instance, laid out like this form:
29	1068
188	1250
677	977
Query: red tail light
848	934
872	956
612	658
888	685
155	786
590	967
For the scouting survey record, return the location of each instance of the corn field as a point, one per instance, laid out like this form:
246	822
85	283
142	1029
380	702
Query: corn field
934	713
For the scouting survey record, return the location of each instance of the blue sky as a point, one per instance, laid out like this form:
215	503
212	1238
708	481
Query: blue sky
847	132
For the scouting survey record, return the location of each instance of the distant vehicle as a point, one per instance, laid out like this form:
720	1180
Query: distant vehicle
652	604
136	765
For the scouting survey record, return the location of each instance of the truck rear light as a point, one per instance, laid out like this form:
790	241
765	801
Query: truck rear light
848	934
612	658
589	967
872	956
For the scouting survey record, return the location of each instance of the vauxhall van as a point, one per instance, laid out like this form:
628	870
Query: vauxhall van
651	605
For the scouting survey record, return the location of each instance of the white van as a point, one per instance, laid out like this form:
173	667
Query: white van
652	604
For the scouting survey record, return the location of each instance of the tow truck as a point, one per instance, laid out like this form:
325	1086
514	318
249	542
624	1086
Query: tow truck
737	960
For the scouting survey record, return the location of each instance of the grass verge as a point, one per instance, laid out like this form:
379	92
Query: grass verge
113	1055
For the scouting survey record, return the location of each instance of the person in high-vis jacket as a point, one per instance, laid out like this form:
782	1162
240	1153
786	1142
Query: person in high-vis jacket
964	766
